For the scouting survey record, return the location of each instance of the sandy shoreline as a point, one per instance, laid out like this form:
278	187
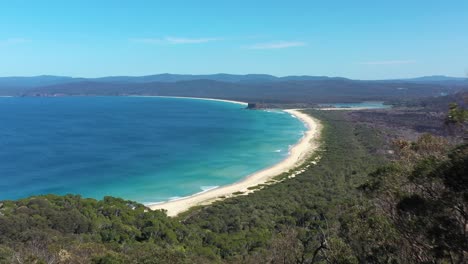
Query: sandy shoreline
298	154
348	108
194	98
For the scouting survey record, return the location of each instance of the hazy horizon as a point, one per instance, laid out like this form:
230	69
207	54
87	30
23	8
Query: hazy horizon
278	76
364	40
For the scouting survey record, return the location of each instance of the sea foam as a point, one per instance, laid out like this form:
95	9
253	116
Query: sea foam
208	188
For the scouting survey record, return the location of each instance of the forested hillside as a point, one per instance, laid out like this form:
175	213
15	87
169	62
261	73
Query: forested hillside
260	88
362	199
288	91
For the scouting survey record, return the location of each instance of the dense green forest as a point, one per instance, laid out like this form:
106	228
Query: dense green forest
368	199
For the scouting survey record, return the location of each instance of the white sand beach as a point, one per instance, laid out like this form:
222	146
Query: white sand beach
195	98
347	108
298	155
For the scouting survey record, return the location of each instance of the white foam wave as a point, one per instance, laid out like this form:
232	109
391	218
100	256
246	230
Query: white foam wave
153	203
289	149
175	198
208	188
275	112
278	150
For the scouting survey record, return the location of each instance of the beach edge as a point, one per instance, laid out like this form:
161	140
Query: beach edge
298	154
194	98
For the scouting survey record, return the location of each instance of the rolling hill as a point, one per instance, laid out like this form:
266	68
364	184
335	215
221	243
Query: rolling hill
251	87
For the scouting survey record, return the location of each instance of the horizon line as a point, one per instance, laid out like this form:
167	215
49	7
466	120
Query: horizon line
239	74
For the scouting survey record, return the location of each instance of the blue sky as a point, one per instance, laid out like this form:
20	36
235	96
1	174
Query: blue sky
369	39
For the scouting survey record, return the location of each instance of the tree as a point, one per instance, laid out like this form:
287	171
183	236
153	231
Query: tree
427	201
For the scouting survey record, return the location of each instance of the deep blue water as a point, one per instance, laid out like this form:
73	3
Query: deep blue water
140	148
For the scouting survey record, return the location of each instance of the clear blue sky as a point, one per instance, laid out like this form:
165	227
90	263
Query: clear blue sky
357	39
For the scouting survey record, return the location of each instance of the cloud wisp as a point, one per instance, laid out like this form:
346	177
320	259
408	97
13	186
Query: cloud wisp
388	62
183	40
276	45
174	40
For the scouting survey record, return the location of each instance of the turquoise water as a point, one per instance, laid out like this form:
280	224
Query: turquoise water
368	105
145	149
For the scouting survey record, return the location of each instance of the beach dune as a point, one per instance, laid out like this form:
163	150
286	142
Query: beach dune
298	154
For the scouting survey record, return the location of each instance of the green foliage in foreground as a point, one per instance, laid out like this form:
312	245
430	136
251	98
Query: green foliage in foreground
457	114
425	198
350	207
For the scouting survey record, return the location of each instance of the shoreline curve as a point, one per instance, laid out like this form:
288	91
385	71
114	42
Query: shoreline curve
298	154
193	98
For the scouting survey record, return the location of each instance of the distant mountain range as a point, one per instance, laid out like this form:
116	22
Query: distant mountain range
433	79
45	80
250	87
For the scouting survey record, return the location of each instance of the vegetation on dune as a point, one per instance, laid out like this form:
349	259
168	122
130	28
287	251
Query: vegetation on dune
366	201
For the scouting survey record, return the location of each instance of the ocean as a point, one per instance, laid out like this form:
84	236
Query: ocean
146	149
